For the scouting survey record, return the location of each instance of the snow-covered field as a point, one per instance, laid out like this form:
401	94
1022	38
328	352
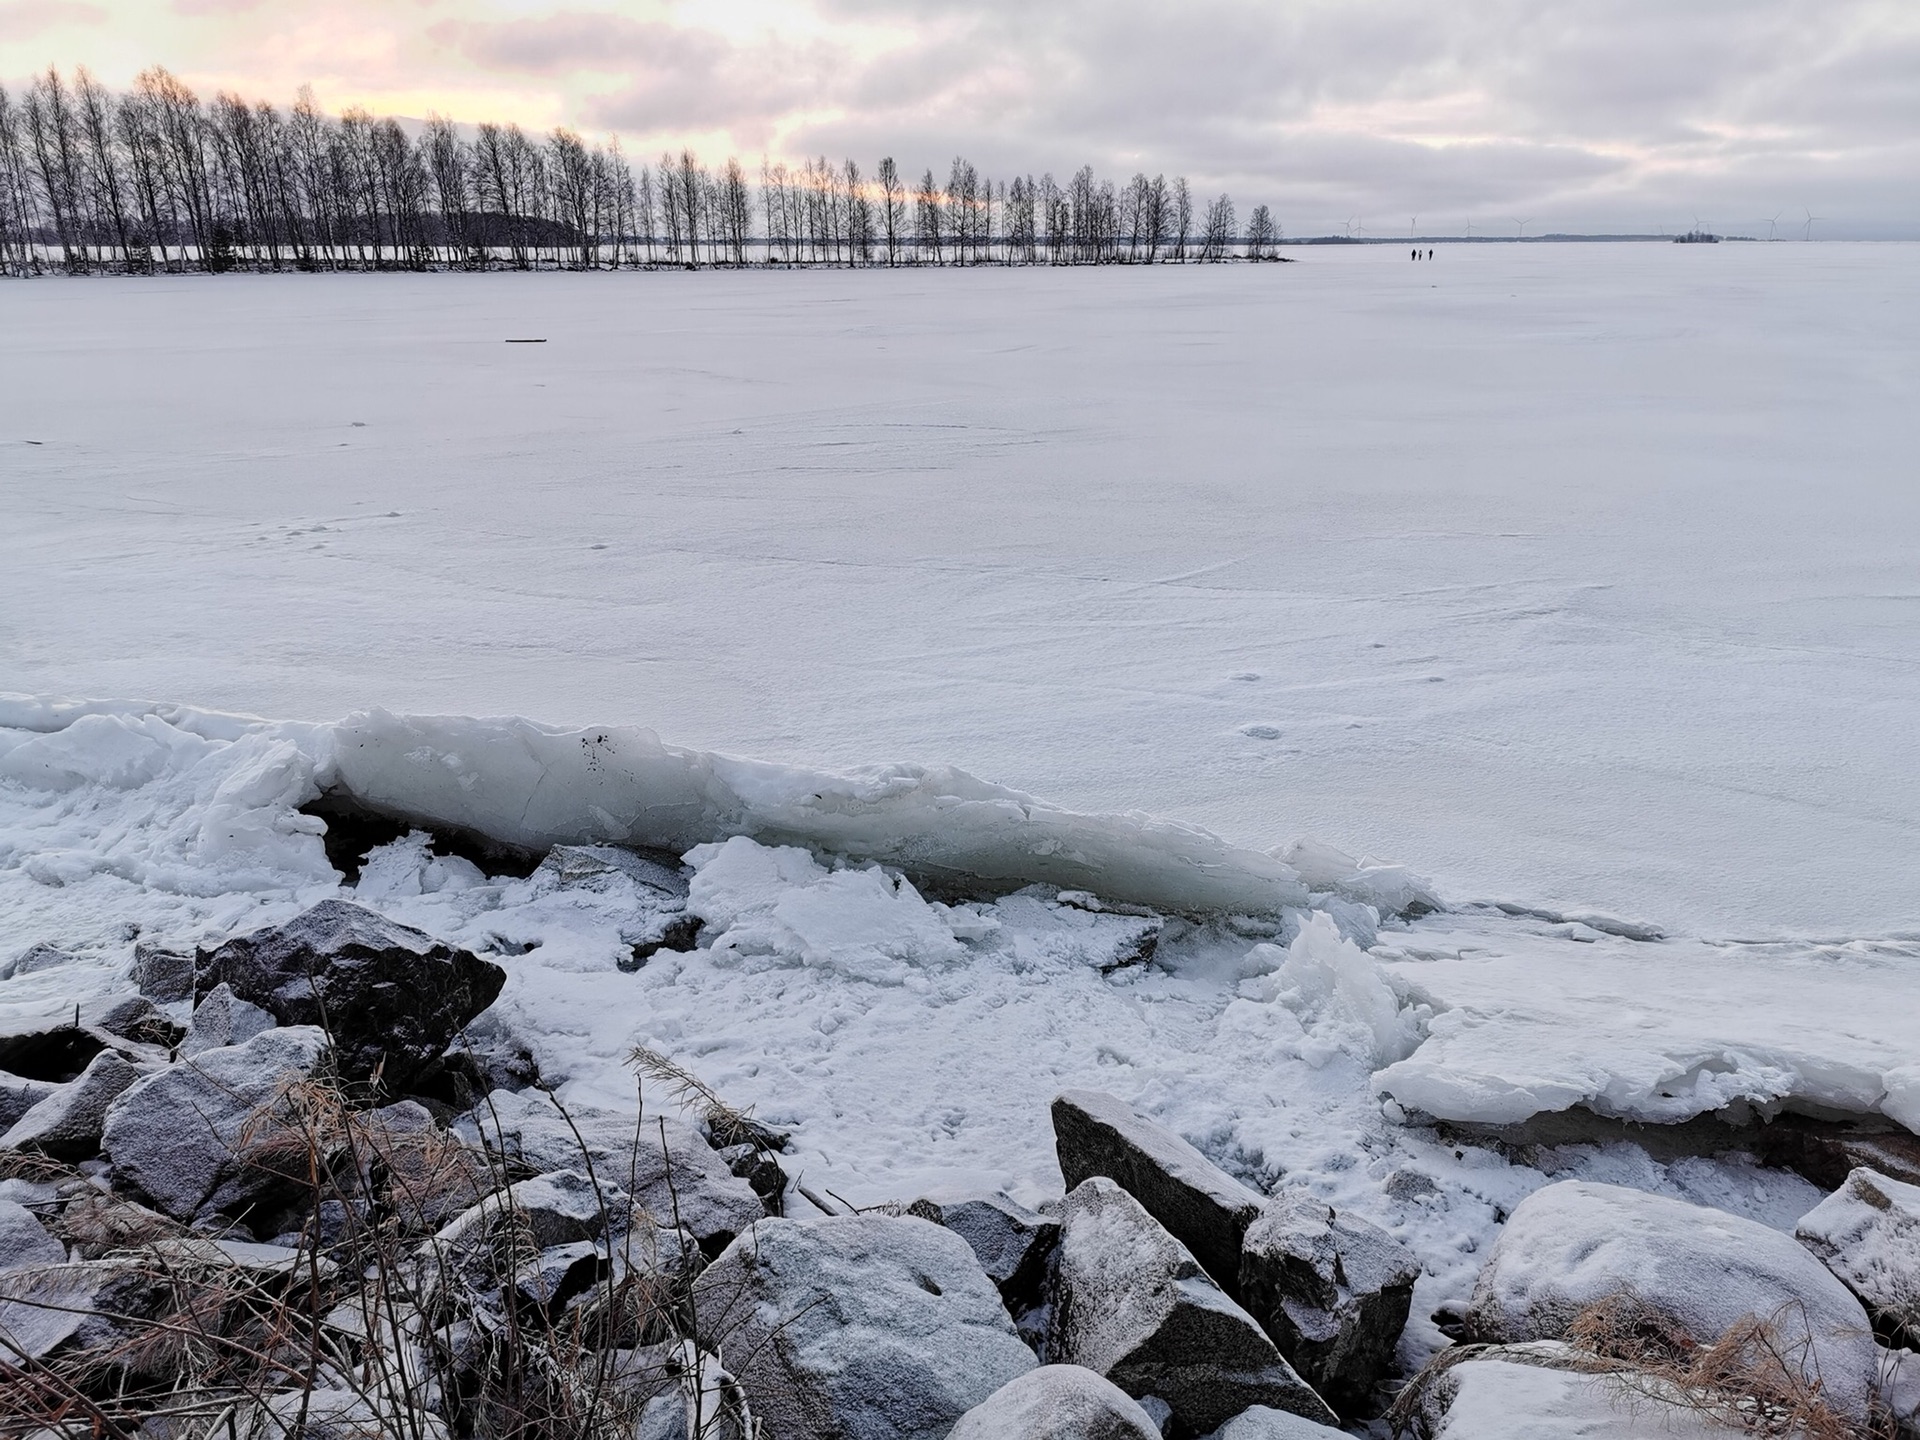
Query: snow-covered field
1583	577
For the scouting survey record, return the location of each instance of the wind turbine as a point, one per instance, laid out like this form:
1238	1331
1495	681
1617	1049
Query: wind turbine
1811	217
1772	221
1523	226
1469	229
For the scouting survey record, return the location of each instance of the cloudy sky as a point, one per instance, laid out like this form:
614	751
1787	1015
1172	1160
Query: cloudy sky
1570	114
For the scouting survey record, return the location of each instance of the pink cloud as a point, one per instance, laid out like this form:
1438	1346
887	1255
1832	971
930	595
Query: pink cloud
26	19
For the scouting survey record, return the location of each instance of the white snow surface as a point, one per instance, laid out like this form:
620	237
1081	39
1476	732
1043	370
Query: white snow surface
1585	575
1579	576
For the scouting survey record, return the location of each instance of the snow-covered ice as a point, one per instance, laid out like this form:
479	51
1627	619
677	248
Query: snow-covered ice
1574	578
1581	575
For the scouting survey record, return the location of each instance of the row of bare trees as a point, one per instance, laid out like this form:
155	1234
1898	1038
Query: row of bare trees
158	180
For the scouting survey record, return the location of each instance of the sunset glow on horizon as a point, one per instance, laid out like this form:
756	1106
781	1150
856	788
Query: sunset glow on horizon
1624	115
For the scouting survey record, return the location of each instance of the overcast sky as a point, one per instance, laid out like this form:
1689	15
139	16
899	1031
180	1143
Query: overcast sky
1570	114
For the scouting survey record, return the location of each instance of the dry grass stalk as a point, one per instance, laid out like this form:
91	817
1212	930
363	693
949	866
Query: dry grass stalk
727	1124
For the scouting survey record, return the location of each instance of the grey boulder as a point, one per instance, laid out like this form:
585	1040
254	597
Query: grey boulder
1130	1302
1261	1423
223	1019
547	1240
1548	1391
857	1327
162	975
391	996
175	1136
667	1169
1575	1244
1332	1290
24	1241
1057	1402
33	958
18	1095
86	1304
1898	1388
1011	1242
334	1414
67	1124
141	1021
1868	1234
1202	1206
45	1044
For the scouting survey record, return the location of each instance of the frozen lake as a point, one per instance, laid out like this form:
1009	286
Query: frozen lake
1579	575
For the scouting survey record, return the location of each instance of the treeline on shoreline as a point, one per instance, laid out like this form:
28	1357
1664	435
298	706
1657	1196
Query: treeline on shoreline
157	181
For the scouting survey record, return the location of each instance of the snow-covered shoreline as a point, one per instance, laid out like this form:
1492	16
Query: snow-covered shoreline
913	1042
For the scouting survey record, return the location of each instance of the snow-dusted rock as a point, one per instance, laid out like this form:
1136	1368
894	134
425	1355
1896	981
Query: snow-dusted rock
664	1417
858	1327
1130	1302
172	1135
241	1255
335	1414
1332	1290
161	974
139	1020
1530	1393
1572	1244
223	1019
18	1095
35	958
24	1240
550	1210
1011	1242
1898	1388
48	1046
94	1302
1262	1423
1057	1402
1868	1233
391	996
67	1123
98	1224
536	1235
531	1137
557	1274
1204	1208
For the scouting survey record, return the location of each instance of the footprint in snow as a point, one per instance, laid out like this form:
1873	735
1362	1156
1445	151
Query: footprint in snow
1259	730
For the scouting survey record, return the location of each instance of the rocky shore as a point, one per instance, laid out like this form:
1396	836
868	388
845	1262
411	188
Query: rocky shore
302	1183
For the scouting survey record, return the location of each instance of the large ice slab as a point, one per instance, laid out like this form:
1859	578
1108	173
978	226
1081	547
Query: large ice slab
218	797
1534	1018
